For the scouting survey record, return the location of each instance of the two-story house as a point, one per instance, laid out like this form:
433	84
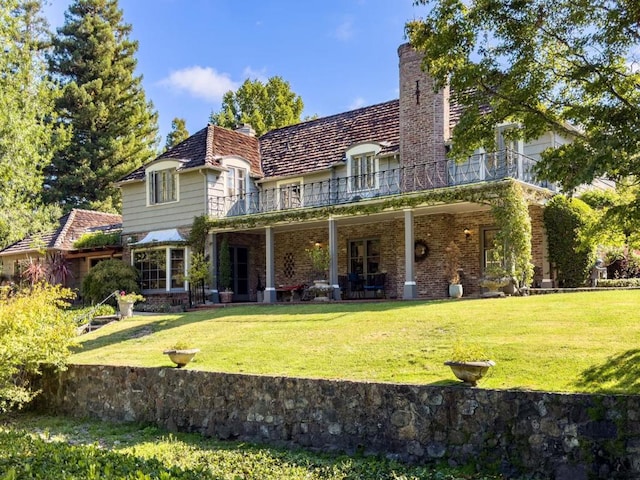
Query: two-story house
372	185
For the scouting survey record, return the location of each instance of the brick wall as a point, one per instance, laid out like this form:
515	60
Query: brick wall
424	120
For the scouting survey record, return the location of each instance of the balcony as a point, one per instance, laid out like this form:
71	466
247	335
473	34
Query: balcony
483	167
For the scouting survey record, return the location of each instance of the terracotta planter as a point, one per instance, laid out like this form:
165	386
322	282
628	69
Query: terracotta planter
226	296
181	357
470	372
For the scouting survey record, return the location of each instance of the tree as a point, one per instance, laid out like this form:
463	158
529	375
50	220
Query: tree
27	137
34	331
561	65
114	127
263	106
177	134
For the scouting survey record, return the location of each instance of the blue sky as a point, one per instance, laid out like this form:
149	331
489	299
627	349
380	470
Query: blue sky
336	54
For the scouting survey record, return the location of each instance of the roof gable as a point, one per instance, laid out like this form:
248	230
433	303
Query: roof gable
206	147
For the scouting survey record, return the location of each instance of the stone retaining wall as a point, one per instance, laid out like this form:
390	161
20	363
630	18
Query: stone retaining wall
549	435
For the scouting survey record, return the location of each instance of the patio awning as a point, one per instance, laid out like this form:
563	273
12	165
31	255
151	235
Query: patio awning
171	235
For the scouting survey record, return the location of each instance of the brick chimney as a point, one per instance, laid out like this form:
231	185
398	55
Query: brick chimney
424	121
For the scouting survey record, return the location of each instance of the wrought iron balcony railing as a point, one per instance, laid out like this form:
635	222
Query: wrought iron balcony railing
414	178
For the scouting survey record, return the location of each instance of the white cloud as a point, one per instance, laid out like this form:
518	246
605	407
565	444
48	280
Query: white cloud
344	31
252	74
357	103
200	82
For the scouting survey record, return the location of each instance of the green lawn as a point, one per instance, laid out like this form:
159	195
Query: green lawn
577	342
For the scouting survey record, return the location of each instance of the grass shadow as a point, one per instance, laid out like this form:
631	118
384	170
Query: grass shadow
618	374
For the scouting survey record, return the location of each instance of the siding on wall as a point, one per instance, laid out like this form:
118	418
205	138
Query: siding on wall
138	217
534	148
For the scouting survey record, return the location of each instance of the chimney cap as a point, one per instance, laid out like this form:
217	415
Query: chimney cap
246	129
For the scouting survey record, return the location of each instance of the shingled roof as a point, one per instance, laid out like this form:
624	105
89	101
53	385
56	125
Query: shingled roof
206	147
70	227
317	144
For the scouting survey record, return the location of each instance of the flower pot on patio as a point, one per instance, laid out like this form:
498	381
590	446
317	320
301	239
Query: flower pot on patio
181	357
455	290
226	296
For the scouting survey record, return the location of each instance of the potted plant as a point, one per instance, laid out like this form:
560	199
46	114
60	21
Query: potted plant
181	353
452	267
126	302
320	259
469	362
224	279
495	275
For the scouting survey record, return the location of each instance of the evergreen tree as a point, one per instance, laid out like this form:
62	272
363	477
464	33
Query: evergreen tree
115	129
177	134
27	137
263	106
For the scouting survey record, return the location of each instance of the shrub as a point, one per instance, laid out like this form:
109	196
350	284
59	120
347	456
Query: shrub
34	329
619	282
97	239
571	251
107	277
224	266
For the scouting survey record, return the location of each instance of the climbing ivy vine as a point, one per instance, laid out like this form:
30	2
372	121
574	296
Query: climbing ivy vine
508	201
511	214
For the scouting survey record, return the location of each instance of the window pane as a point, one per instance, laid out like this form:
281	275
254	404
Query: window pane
177	268
151	265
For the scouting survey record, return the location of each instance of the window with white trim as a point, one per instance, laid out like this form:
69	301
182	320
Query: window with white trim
290	195
363	171
236	182
161	267
162	186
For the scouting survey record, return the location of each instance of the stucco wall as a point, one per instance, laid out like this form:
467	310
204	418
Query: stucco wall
550	435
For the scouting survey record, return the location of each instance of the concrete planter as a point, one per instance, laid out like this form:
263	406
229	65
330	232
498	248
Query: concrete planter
455	290
470	372
181	357
125	308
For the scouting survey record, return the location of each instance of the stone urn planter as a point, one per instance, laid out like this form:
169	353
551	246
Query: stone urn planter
126	301
470	372
321	290
125	308
181	357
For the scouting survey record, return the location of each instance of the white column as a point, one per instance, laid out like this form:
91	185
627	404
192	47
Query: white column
333	251
215	294
410	288
270	280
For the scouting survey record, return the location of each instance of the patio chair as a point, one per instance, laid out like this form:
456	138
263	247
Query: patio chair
376	284
356	286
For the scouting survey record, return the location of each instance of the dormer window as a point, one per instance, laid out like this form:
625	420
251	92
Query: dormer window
363	171
363	167
236	182
162	186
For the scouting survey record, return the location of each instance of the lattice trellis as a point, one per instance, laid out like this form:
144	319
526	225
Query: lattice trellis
289	269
